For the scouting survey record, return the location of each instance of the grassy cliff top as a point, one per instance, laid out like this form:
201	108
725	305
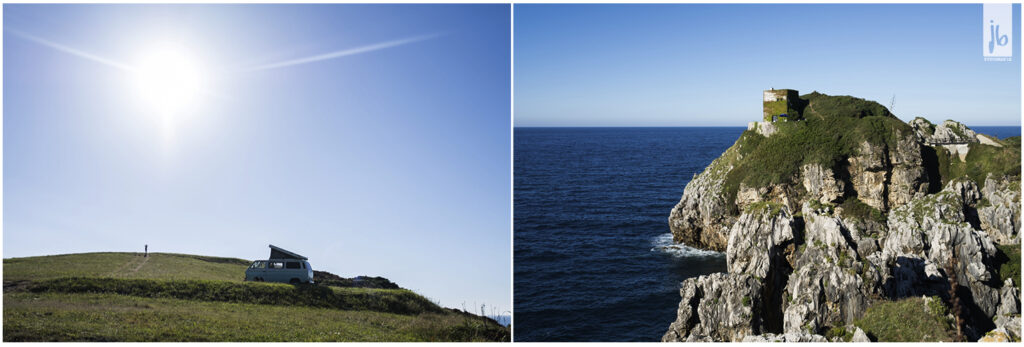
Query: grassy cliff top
834	129
167	266
181	297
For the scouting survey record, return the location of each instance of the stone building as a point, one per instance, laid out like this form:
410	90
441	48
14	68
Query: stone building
779	104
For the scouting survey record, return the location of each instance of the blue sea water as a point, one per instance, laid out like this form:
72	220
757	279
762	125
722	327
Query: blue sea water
593	257
1000	132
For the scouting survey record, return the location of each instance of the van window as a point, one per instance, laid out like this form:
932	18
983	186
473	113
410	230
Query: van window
293	265
258	264
276	265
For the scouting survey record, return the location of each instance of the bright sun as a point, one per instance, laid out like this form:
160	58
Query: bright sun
169	80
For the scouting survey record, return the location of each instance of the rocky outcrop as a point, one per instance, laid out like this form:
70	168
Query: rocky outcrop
758	238
886	177
908	178
700	218
717	307
949	132
766	129
789	337
932	236
802	260
999	210
821	184
860	336
869	170
831	284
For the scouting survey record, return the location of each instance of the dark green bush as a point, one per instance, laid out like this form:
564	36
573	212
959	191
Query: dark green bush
1008	258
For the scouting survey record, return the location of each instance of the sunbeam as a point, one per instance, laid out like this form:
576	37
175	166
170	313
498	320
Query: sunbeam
69	50
343	53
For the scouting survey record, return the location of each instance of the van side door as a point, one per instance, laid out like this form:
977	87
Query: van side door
276	272
295	271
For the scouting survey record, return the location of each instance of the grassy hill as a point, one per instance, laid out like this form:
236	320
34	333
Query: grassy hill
179	297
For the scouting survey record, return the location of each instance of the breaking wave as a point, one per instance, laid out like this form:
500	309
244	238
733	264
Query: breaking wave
663	243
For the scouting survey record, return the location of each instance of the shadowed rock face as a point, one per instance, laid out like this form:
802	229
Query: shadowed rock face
800	261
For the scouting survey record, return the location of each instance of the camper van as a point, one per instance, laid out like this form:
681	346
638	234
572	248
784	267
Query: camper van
283	266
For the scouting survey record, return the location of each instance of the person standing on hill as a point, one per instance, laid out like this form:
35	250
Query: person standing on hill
147	250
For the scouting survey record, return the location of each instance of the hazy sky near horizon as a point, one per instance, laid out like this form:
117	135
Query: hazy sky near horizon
706	65
373	139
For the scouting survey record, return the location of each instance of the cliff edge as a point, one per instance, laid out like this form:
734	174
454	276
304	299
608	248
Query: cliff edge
842	218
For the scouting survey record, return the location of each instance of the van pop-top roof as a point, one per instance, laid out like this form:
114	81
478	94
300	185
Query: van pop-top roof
281	253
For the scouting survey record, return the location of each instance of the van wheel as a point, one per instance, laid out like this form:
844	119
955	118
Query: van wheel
294	281
259	279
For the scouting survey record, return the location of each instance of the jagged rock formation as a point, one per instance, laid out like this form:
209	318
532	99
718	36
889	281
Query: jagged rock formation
866	208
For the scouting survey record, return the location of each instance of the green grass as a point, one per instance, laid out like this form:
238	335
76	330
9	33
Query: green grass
179	297
843	106
980	161
853	207
124	265
1009	259
399	301
832	131
907	320
110	317
840	332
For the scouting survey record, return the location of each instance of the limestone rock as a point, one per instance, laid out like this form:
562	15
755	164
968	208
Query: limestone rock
757	238
821	184
908	177
860	336
922	239
922	128
999	212
775	193
766	129
700	218
717	307
830	285
998	335
788	337
868	171
953	132
793	275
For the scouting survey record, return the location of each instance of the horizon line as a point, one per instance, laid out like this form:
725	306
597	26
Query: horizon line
683	126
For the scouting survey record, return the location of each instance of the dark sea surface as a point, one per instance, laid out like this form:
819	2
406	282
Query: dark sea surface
1000	132
593	256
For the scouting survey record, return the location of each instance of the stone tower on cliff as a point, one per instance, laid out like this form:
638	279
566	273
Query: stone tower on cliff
779	104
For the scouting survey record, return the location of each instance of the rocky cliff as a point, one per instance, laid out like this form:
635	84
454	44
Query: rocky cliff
849	213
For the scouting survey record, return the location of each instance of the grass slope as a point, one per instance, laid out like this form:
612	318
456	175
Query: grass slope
179	297
110	317
126	265
833	130
908	320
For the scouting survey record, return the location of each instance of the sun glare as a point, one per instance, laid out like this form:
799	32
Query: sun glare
168	79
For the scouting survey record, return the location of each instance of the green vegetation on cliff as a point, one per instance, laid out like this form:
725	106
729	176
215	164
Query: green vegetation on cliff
980	161
833	130
1009	263
908	320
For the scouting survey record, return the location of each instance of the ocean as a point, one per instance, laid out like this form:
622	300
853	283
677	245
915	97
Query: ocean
593	256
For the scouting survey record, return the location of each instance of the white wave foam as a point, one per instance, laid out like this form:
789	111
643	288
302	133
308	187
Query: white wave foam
663	243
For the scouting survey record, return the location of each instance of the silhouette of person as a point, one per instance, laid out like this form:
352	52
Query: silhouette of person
147	250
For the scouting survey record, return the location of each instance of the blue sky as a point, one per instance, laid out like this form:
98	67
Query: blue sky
390	161
706	65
